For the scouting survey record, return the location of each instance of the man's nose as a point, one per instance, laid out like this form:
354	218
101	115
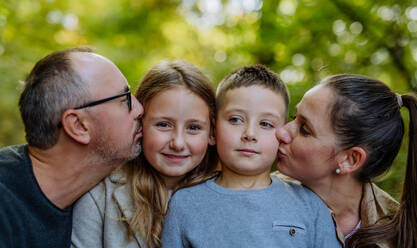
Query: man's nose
137	108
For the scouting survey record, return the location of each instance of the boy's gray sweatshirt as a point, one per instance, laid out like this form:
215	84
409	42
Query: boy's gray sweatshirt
284	214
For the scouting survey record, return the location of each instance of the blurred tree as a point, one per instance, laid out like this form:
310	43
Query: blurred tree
303	40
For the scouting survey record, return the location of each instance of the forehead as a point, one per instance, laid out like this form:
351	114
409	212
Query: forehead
254	98
176	102
99	73
316	105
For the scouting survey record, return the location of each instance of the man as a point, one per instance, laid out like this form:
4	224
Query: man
81	122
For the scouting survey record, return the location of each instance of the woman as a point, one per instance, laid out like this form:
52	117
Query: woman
348	129
127	208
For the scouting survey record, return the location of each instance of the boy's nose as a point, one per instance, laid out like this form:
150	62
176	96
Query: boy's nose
249	134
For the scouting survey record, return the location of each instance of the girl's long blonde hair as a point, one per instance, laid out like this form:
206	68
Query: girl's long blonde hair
147	189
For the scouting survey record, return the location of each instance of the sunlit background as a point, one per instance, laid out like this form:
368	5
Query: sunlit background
302	40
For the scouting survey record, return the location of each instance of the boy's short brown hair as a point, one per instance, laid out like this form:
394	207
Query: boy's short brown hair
249	76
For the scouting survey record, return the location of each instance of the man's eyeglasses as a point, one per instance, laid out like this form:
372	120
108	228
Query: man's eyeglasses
93	103
97	102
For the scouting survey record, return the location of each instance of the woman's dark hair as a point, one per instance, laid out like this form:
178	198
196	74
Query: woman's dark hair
367	114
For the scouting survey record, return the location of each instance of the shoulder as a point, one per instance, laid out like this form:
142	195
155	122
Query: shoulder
195	189
102	194
300	196
15	165
383	198
191	195
13	155
294	188
377	203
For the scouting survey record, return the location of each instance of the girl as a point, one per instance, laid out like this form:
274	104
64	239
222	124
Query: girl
127	208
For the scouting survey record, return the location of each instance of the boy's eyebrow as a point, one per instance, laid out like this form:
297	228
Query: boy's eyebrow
271	114
262	113
234	109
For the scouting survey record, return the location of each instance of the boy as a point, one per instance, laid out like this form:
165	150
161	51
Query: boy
243	206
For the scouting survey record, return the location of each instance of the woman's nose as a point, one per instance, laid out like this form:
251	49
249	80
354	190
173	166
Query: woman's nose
283	134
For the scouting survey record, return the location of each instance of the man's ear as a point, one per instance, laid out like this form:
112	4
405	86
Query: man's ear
351	160
75	126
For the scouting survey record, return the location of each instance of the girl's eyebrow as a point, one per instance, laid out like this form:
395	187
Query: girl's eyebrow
167	118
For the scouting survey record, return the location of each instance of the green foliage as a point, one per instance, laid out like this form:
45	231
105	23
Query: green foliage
303	40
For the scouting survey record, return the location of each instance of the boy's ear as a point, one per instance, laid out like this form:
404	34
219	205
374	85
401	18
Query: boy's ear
350	160
75	126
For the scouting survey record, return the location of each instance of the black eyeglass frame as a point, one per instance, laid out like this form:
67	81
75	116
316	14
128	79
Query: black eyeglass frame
128	95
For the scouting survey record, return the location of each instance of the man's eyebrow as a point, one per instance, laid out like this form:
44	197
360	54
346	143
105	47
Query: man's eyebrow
126	89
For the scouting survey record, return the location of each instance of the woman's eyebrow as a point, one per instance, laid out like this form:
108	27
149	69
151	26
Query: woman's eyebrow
305	119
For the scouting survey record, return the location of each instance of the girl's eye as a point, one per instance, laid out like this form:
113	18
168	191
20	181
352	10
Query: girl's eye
235	120
194	127
304	131
162	124
266	124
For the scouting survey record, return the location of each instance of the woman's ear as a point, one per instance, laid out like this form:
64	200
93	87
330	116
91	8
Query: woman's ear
351	160
75	126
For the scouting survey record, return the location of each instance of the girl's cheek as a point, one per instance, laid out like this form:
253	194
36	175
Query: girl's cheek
200	146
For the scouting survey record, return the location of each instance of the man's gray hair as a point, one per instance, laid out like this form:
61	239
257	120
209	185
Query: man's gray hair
52	87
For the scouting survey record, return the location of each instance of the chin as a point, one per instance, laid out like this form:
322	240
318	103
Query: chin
174	173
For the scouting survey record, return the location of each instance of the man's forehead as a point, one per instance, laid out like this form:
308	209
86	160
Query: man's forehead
100	74
89	61
91	66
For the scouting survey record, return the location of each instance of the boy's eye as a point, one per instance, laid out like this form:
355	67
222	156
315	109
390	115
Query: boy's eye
266	124
235	120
